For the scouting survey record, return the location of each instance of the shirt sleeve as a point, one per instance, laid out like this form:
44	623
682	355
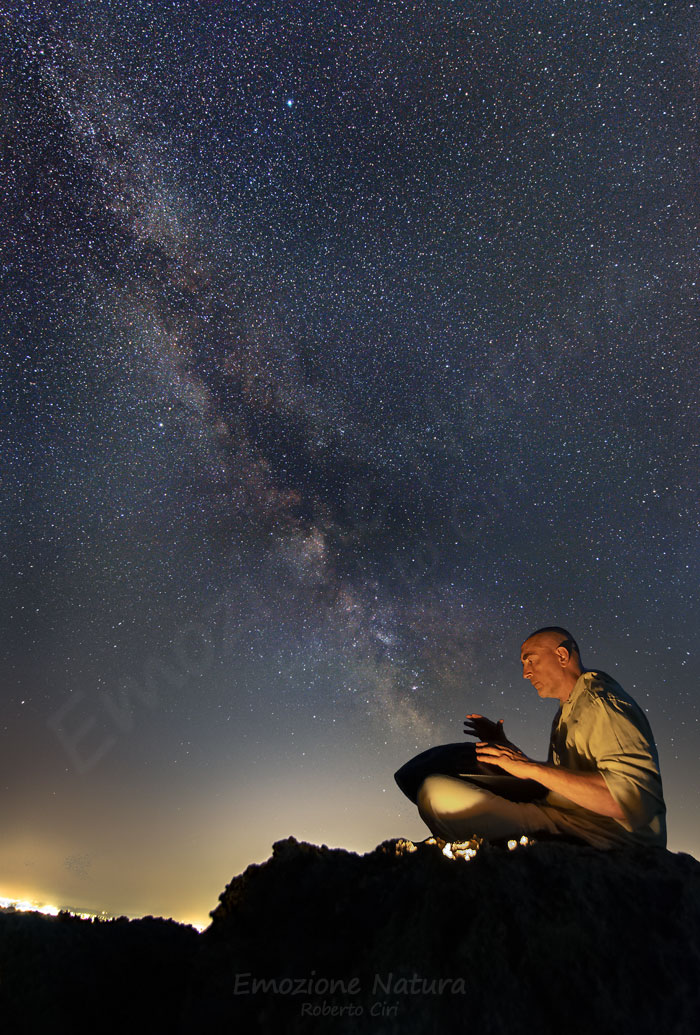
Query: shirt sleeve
624	753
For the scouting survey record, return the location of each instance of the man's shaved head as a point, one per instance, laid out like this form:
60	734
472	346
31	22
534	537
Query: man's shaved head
556	636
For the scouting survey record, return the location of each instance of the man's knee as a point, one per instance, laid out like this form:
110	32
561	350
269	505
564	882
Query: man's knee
430	793
423	795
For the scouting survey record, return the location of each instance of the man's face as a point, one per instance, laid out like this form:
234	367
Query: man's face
543	666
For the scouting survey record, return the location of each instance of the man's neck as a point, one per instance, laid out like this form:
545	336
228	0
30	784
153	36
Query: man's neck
570	681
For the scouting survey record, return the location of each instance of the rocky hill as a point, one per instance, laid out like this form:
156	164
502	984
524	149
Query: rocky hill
547	937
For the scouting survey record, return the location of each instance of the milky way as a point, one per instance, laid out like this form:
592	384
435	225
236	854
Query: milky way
342	345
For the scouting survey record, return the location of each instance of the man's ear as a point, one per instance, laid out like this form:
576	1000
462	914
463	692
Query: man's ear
563	655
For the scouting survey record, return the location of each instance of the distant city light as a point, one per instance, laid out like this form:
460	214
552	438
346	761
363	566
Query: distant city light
23	905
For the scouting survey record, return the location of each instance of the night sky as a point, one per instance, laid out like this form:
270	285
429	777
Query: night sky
342	345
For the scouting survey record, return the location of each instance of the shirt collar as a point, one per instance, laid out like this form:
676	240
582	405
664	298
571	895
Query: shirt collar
579	686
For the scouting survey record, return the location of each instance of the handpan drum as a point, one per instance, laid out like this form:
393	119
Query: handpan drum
460	760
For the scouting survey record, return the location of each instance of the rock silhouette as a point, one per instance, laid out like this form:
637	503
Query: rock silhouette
547	937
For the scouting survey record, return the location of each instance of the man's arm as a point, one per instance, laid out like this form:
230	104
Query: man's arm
586	789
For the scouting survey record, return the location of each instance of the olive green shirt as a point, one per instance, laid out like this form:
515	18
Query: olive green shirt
601	728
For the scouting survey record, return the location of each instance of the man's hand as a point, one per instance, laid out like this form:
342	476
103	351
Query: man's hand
508	757
485	729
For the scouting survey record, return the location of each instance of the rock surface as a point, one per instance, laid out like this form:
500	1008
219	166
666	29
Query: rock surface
549	937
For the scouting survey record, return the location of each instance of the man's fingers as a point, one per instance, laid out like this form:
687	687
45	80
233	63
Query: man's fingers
493	751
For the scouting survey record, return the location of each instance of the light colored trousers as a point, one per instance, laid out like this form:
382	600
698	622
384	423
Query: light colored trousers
456	810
